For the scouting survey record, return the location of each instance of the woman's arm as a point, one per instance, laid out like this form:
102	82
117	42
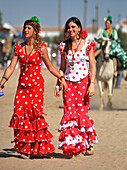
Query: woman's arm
61	71
48	63
10	69
62	67
51	68
92	63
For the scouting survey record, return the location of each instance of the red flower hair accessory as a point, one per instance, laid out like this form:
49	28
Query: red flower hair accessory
37	35
84	34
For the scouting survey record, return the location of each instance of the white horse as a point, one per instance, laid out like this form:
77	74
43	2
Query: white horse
105	72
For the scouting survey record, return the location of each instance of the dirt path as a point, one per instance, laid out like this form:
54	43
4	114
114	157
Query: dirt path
111	128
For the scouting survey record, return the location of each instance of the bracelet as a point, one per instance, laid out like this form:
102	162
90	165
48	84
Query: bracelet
61	77
4	77
1	86
57	87
92	82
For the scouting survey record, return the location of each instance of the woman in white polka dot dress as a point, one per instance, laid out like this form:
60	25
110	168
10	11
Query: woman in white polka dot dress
31	135
77	129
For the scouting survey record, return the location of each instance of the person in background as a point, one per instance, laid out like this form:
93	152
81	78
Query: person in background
77	133
31	135
116	50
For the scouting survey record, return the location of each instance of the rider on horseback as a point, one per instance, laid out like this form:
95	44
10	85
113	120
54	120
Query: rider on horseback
116	50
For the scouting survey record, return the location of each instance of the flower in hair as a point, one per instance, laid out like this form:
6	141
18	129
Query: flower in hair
37	35
34	18
108	18
84	34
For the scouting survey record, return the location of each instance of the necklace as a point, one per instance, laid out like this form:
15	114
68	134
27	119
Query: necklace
27	58
72	63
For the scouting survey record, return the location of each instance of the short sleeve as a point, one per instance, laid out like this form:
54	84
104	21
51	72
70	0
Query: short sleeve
17	48
116	35
40	48
90	45
61	47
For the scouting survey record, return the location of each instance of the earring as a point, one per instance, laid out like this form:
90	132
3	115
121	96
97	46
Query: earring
78	35
34	36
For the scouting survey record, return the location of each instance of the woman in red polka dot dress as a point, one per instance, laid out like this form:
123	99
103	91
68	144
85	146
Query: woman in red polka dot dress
78	67
31	135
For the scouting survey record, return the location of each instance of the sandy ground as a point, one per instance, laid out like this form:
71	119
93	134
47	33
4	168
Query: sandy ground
111	127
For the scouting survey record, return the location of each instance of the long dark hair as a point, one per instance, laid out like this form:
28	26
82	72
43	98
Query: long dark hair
36	27
67	39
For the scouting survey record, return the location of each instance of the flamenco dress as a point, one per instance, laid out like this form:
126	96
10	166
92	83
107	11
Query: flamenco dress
77	132
31	135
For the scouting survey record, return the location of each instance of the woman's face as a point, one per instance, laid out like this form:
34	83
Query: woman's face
29	31
108	24
73	29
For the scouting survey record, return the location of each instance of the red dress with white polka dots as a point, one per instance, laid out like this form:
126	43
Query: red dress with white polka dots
76	127
31	135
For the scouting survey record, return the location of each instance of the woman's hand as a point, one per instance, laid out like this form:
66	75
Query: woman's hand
63	84
58	88
57	92
90	91
0	89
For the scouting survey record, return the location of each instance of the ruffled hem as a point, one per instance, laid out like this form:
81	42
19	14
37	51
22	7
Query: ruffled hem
80	120
76	138
31	135
36	148
33	124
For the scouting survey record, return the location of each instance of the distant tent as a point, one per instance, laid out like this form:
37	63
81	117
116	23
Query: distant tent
4	32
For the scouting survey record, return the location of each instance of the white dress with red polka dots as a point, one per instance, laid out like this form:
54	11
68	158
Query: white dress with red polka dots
31	135
77	128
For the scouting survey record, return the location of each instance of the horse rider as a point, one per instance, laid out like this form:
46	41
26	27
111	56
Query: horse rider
116	50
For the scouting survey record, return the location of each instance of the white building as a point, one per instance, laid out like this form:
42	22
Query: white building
122	26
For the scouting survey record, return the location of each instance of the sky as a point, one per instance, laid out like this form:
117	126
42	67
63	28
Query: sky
15	12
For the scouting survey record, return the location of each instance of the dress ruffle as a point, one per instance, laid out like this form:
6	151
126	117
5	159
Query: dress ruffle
90	45
41	46
17	48
31	135
76	138
61	47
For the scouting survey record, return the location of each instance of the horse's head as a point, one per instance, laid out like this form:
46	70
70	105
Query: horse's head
106	46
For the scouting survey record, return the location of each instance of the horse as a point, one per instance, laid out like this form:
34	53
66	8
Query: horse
105	70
